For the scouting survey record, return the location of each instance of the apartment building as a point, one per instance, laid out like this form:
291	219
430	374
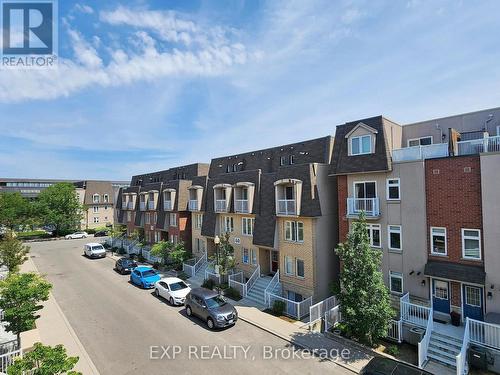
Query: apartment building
156	204
430	192
277	206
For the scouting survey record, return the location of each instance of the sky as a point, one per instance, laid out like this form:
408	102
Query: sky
148	85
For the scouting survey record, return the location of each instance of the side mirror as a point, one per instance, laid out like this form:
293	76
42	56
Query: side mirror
203	305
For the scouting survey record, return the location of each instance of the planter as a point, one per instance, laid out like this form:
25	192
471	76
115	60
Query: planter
455	318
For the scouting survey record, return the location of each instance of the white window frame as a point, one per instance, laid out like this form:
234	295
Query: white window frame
419	139
245	258
360	138
198	221
95	209
441	285
288	261
173	223
464	237
396	275
105	198
147	218
94	200
294	231
445	241
466	296
244	226
297	268
400	231
389	185
371	228
96	220
225	228
253	256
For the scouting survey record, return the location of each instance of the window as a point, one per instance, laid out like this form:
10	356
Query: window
365	189
361	145
282	160
422	141
294	231
200	245
247	226
105	207
288	265
374	234
299	264
473	296
105	198
198	221
253	255
393	189
95	198
96	220
173	220
96	209
245	257
441	289
438	241
396	282
105	218
147	218
292	159
227	224
395	237
471	243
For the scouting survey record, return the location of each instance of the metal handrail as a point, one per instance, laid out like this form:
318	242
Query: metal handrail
272	284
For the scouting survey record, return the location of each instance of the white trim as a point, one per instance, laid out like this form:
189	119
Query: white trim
370	234
360	144
400	231
291	258
473	238
296	240
448	292
244	227
397	275
398	185
445	242
297	268
363	182
364	126
480	296
418	139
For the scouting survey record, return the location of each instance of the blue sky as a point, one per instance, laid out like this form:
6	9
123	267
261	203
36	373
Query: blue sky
148	85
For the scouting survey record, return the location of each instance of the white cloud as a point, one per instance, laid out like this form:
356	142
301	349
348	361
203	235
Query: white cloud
84	8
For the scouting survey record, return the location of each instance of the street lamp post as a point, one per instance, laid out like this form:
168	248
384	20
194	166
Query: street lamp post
217	242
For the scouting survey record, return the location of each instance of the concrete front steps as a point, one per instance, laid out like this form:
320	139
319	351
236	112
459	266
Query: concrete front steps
444	349
256	293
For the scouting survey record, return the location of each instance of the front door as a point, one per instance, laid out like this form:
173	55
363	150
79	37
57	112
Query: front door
274	261
473	302
441	296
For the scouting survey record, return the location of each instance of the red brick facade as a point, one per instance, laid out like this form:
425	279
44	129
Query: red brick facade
453	191
456	298
342	194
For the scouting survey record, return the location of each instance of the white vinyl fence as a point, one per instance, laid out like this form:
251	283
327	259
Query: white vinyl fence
317	311
294	309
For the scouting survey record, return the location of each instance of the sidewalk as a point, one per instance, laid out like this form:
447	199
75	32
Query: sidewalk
299	334
53	328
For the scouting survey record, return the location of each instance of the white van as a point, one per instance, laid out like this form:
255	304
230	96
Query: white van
94	250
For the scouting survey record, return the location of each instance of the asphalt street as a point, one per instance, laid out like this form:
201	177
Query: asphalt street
126	330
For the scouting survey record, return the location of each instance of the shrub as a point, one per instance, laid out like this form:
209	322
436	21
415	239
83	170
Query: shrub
132	256
141	258
232	293
224	286
392	350
209	284
278	308
120	251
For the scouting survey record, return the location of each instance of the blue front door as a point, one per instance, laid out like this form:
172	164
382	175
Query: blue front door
473	302
441	296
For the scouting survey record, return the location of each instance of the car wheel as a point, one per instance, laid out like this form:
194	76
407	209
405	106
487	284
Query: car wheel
210	323
171	301
189	312
157	293
143	286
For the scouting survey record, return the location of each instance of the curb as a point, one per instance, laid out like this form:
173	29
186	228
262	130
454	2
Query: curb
302	346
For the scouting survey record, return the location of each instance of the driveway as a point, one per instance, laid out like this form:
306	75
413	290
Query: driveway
126	330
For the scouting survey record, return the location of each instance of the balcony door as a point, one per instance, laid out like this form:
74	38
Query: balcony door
289	192
365	190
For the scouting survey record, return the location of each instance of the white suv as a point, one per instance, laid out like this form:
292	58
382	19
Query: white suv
75	235
94	250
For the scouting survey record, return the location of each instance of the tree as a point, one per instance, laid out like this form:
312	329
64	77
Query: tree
12	252
20	295
364	300
59	206
178	255
44	360
116	232
224	255
14	210
162	250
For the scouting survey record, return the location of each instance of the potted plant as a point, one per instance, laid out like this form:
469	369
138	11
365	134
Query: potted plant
455	318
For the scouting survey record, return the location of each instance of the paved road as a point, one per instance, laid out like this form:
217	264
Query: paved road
120	325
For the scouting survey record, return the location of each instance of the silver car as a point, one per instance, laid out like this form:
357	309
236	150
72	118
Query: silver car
211	307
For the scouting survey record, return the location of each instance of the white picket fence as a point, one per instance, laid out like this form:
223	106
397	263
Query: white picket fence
8	358
332	317
237	281
318	310
395	331
294	309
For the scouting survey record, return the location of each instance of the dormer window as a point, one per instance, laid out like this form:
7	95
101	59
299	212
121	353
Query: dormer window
361	145
422	141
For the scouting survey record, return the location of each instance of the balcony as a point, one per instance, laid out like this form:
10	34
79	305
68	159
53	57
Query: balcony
142	206
437	150
193	205
241	205
477	146
220	205
167	205
151	205
286	207
370	206
130	205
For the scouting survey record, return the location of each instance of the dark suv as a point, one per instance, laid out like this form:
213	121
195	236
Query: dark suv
125	265
211	307
387	366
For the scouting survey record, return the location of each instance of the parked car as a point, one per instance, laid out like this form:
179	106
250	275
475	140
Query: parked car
94	250
174	290
211	308
101	233
387	366
145	277
125	265
75	235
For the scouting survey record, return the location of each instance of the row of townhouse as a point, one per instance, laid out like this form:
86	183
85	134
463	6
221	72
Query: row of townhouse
430	191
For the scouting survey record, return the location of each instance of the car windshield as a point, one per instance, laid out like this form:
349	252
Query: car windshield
97	248
215	302
178	286
148	273
128	262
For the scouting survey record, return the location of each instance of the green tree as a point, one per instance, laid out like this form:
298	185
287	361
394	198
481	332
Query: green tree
12	252
179	255
44	360
14	210
224	255
162	250
364	299
20	295
59	206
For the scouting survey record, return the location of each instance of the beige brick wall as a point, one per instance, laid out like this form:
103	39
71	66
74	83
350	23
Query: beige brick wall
196	234
105	215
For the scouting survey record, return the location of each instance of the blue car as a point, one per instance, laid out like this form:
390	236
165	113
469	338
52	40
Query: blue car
145	277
